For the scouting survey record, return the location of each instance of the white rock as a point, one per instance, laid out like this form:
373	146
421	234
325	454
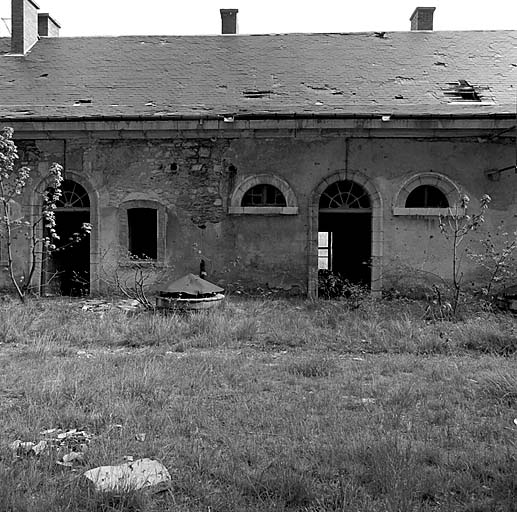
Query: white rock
73	457
15	445
22	448
131	476
48	431
70	458
40	447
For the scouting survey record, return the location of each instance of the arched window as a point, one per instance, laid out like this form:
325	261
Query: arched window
73	195
344	195
426	196
263	195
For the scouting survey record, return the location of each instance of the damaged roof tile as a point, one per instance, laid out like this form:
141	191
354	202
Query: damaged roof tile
316	73
462	91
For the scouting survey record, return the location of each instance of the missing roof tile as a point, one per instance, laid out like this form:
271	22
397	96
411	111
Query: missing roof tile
324	88
82	101
462	91
316	87
257	94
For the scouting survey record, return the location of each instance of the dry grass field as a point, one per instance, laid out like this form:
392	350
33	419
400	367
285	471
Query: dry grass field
264	406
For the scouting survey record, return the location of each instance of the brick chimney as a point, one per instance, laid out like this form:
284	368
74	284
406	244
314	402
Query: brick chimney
422	18
47	25
24	25
229	21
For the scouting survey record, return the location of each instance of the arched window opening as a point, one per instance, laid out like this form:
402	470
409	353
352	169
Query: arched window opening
66	269
263	195
73	195
345	233
426	196
345	195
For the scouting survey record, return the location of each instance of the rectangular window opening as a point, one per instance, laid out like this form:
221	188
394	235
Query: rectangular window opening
324	250
142	233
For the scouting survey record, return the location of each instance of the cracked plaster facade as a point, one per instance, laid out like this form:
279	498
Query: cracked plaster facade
182	124
191	181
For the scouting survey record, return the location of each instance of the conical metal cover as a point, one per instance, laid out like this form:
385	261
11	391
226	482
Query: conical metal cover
191	285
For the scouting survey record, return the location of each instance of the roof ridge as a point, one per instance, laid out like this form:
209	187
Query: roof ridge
417	33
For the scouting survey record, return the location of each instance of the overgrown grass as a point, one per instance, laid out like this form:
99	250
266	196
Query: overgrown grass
376	327
264	406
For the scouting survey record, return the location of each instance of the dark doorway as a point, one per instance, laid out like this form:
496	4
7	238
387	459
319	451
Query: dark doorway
66	270
345	232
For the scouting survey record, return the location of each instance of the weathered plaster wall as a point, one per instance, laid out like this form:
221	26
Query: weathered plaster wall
188	178
193	180
416	241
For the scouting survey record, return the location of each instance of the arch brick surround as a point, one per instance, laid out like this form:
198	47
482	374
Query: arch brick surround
377	228
94	221
440	181
247	182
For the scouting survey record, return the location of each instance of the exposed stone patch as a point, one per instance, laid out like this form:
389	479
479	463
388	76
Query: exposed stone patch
187	174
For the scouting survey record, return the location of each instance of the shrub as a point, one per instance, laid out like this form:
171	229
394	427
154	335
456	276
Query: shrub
332	286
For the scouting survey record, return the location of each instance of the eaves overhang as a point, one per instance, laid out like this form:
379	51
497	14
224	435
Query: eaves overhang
231	117
258	125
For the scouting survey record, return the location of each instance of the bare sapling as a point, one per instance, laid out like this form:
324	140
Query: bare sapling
455	227
497	258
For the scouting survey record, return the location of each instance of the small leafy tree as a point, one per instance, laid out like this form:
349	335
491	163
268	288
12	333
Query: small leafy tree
39	230
455	227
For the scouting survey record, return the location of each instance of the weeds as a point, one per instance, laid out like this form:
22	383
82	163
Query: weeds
263	406
315	366
501	385
488	335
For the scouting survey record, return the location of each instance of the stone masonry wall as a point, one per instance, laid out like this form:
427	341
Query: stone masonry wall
192	180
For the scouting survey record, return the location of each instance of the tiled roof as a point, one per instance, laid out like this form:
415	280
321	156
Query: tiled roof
402	73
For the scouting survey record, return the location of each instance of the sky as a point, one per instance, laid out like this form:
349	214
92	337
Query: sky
189	17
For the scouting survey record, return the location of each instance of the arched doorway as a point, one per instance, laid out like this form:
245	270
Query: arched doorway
345	231
66	271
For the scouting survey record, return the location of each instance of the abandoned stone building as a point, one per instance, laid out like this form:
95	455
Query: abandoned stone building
267	156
